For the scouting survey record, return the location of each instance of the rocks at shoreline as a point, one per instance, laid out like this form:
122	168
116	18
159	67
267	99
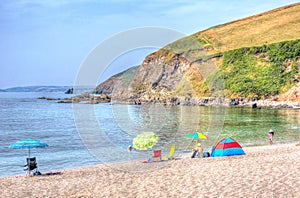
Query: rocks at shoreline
91	99
211	101
44	98
88	98
85	98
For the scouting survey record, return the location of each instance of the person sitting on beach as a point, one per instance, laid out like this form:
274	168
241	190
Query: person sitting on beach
200	150
197	151
271	136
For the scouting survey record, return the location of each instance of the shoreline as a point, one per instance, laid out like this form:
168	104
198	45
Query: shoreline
208	101
265	171
90	98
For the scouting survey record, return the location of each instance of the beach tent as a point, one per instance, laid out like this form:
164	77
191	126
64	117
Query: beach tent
227	147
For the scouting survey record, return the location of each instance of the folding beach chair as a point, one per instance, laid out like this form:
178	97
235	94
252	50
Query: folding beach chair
171	153
31	165
157	155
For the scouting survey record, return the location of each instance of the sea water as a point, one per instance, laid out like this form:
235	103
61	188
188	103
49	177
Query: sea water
83	134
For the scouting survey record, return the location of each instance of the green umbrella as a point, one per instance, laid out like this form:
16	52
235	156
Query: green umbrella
145	140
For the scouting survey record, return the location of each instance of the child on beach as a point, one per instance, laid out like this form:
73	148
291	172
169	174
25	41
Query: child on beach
130	148
271	136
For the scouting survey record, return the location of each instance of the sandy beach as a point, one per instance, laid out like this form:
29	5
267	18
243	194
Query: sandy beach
265	171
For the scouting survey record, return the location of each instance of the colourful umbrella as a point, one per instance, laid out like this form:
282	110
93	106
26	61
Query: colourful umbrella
28	143
196	135
145	140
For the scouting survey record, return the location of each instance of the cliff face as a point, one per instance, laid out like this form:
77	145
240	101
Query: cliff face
209	63
118	83
179	69
159	74
111	86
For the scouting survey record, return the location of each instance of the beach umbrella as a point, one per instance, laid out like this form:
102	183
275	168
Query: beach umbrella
145	140
28	143
196	135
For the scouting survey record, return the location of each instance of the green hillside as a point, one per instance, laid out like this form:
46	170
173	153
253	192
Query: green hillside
254	57
261	71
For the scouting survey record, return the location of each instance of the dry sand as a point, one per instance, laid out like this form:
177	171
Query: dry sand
265	171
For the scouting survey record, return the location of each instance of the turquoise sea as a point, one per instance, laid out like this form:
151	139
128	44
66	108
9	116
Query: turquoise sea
82	134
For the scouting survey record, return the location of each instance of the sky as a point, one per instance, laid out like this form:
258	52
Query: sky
44	42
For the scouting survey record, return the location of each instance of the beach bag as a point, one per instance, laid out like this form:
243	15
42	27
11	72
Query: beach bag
206	154
37	173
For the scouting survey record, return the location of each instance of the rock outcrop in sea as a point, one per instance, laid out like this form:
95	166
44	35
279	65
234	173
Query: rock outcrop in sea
69	91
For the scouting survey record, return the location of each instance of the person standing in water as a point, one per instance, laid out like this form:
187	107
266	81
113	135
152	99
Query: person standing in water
130	148
271	136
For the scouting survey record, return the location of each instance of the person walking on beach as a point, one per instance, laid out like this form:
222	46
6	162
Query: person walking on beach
271	136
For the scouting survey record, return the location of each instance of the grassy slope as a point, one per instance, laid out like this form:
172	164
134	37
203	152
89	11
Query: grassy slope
274	26
270	27
261	71
127	75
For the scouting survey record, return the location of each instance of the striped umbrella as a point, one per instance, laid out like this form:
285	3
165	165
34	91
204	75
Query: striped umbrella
196	135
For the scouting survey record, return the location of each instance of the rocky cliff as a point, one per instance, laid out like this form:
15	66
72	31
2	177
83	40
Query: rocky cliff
117	84
233	60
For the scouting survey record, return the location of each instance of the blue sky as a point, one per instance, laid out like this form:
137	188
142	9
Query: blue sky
44	42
